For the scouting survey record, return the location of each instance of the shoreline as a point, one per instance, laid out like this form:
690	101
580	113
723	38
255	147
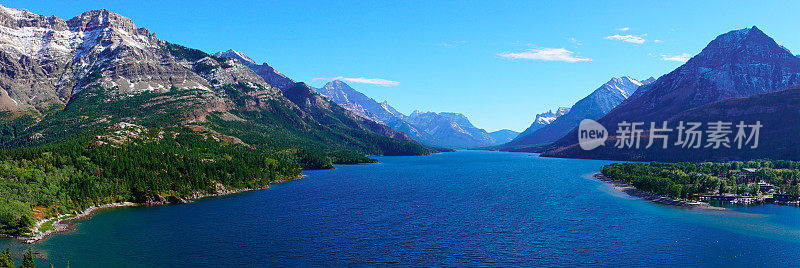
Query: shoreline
62	223
635	192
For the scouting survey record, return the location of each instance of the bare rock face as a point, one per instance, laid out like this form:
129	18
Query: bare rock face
46	60
435	129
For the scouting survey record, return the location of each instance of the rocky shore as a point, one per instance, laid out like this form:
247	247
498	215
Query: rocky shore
62	223
633	191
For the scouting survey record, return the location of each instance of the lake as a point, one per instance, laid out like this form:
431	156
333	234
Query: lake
473	208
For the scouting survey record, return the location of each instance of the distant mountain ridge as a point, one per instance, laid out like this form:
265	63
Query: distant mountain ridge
594	106
450	130
503	135
366	107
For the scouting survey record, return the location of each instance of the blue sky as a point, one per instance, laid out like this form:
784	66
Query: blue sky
498	62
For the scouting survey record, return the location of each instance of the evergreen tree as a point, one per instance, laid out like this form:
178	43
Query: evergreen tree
6	261
27	260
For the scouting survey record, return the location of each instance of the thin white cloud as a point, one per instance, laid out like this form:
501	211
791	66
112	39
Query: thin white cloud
683	57
575	41
624	29
658	41
627	38
544	54
362	80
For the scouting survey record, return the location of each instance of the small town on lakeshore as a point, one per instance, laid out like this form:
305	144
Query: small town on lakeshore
735	182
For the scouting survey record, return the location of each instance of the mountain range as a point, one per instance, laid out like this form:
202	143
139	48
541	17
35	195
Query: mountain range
594	106
742	75
59	78
449	130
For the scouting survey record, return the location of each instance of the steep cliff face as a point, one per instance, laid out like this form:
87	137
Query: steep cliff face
48	60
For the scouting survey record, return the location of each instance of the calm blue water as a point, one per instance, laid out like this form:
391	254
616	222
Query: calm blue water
466	208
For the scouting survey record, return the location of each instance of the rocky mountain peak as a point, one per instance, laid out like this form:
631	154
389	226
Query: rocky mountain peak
101	18
549	116
235	54
17	18
270	75
738	63
338	84
623	85
740	46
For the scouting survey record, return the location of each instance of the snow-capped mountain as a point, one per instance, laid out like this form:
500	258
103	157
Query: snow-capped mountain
234	54
544	119
46	57
366	107
350	99
594	106
270	75
451	130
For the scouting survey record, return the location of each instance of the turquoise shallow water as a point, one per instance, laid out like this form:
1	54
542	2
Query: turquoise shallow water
454	209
